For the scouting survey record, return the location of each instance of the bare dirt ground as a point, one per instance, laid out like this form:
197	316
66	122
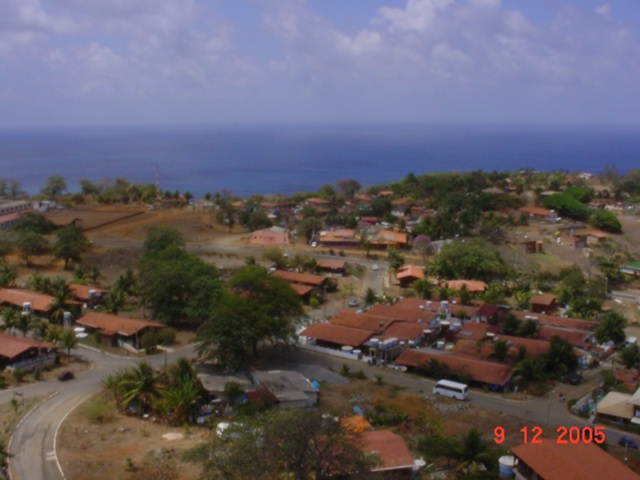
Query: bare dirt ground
11	413
94	451
195	226
92	217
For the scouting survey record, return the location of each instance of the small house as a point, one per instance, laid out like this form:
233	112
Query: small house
117	330
407	274
544	303
533	246
290	389
24	353
390	451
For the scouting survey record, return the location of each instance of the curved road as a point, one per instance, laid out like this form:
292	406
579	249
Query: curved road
32	446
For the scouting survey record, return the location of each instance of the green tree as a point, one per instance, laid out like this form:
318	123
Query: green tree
527	328
511	325
348	187
292	443
567	206
561	358
370	297
160	239
500	350
611	328
8	274
30	244
605	220
6	245
276	256
630	356
70	244
176	286
308	226
423	288
256	307
138	383
396	260
471	260
68	340
55	186
34	222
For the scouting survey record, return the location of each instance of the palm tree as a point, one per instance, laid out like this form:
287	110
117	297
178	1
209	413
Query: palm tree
68	340
178	400
11	317
62	294
113	383
139	384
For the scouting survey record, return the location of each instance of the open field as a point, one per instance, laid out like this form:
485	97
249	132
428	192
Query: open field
89	450
90	218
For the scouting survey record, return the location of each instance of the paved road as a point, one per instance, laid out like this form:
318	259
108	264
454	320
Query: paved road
32	446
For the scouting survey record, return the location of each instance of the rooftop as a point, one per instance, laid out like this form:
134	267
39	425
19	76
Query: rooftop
391	449
580	461
477	370
410	271
338	334
112	324
472	286
544	299
304	278
18	297
82	292
11	347
269	236
285	385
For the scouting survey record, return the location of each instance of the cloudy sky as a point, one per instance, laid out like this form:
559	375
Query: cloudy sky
80	62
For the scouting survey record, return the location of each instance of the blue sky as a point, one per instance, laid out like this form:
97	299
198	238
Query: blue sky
122	62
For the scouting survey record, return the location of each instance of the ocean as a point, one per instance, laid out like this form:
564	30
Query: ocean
286	159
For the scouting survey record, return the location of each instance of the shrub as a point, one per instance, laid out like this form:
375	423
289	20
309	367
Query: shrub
149	340
606	221
19	374
98	411
167	336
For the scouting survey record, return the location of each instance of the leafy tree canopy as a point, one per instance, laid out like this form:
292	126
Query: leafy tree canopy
469	260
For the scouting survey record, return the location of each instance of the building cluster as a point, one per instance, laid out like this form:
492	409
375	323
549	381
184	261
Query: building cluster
417	334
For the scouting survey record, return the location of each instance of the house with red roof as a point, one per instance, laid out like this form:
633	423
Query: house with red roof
390	451
407	274
24	353
551	460
118	330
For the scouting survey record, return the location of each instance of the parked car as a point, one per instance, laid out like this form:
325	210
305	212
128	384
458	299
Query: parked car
572	379
375	267
66	375
353	302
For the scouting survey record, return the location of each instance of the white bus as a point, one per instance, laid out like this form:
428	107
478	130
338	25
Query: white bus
451	389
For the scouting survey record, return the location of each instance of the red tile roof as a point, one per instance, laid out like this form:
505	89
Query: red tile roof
477	370
390	448
535	347
581	461
404	331
473	331
11	217
18	297
536	211
554	320
473	286
81	292
300	289
544	299
404	314
11	347
575	337
338	334
331	264
363	321
112	324
410	271
304	278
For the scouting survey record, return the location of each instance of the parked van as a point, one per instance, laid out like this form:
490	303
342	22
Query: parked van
450	389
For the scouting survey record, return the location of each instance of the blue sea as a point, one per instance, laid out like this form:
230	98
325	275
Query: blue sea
287	159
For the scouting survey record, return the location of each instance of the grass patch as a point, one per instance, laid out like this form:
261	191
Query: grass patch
98	410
